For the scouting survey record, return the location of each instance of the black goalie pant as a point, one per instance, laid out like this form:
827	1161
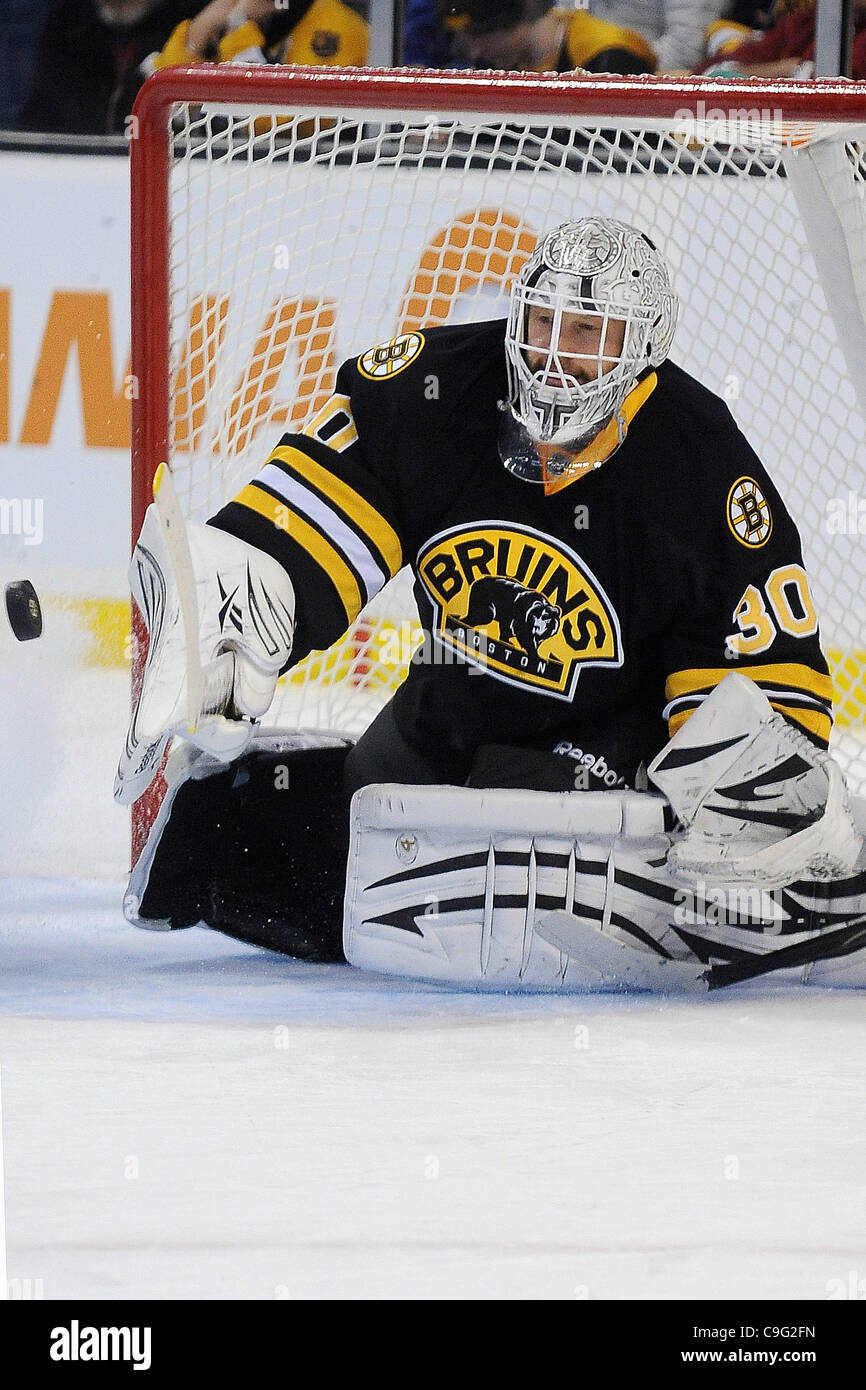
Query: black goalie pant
258	850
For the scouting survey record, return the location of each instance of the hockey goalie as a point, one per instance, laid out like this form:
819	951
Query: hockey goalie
607	767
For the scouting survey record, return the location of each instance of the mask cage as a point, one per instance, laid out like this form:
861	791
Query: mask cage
553	404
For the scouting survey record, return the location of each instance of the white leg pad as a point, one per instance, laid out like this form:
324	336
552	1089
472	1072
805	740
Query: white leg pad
448	883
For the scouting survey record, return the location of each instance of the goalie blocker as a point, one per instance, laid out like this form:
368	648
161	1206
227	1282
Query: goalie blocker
220	619
502	889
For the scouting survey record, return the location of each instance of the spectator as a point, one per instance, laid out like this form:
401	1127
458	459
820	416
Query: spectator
529	35
787	49
326	32
676	29
426	43
19	31
725	35
89	60
749	14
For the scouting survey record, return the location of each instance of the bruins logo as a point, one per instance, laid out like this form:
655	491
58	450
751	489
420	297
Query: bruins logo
749	515
523	616
324	43
387	359
519	604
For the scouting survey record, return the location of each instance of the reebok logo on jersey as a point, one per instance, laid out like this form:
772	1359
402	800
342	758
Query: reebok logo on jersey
519	604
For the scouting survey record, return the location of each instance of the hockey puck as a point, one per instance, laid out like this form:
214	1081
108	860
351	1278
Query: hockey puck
23	610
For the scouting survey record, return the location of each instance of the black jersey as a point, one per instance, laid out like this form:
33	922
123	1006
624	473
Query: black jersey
553	617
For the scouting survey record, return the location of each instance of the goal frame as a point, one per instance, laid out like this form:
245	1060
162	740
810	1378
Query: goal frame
436	93
386	95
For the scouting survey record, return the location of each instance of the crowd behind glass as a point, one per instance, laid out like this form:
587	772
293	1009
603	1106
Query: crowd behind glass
74	66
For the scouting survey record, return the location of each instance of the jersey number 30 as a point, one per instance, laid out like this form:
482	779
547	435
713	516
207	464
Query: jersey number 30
787	593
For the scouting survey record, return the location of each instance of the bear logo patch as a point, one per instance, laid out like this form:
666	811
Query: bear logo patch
519	604
524	616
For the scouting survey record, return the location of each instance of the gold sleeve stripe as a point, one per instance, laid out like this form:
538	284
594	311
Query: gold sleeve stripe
361	513
348	540
818	724
811	719
677	720
783	673
325	555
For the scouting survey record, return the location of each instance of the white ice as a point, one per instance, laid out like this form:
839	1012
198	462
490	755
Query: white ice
186	1117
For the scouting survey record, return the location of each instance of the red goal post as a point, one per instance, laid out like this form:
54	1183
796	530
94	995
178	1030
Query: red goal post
286	218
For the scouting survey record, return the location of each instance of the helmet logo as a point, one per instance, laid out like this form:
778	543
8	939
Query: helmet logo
586	254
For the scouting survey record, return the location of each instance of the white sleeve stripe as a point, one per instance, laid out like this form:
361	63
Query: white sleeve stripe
783	696
341	536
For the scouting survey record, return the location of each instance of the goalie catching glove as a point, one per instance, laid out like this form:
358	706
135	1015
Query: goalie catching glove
760	803
220	619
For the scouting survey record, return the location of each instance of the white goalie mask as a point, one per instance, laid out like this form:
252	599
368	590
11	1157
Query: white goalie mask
600	280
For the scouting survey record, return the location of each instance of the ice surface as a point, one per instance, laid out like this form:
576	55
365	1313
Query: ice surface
186	1117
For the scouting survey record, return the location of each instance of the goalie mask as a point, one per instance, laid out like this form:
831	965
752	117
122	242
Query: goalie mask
591	313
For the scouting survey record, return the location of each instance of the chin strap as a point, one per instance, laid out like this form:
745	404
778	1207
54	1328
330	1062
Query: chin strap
602	447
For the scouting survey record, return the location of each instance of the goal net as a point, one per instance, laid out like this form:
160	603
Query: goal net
286	219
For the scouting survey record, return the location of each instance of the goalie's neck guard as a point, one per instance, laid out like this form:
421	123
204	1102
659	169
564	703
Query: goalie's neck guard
556	465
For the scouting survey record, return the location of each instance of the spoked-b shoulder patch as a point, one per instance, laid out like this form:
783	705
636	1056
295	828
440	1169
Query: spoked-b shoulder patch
749	515
387	359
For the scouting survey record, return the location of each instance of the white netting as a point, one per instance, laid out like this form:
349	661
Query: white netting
294	244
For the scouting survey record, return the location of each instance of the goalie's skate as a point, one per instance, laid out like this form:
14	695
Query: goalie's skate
220	616
760	803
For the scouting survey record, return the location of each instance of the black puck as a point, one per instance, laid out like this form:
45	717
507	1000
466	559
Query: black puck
24	610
